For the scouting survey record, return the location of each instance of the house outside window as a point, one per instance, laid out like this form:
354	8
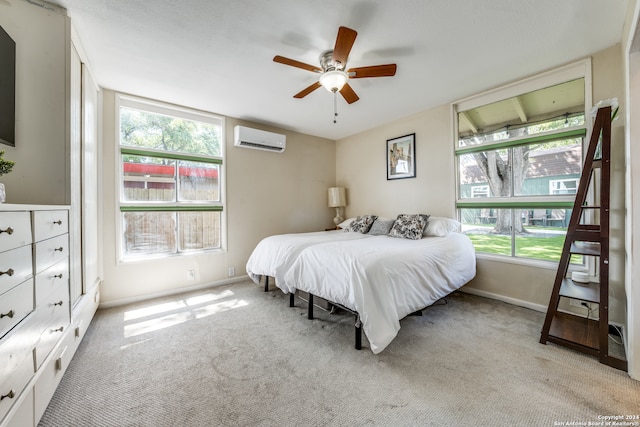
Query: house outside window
170	172
524	144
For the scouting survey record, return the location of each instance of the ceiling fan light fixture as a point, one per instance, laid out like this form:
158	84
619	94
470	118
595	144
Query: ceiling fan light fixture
333	80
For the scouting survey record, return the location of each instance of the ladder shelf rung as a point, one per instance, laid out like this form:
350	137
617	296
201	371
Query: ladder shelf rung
585	248
570	329
589	292
587	235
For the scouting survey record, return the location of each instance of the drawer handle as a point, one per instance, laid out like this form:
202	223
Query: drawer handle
60	329
57	276
58	303
58	249
9	272
7	230
10	395
9	314
58	222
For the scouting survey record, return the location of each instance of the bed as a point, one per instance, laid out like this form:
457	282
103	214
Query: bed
274	255
381	279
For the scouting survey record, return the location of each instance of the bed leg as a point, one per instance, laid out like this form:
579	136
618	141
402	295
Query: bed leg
266	283
310	309
291	302
358	333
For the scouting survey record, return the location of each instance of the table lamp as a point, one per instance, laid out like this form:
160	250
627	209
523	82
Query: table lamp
337	199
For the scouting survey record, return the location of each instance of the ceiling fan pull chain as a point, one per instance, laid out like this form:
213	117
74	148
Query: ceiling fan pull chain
335	107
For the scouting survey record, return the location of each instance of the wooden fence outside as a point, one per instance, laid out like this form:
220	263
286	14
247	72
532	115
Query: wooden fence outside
158	232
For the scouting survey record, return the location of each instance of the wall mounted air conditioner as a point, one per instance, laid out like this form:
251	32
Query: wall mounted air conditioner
259	139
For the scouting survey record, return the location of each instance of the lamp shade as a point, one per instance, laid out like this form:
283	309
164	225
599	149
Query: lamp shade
337	197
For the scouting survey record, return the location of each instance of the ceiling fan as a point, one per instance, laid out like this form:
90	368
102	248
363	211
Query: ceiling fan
334	75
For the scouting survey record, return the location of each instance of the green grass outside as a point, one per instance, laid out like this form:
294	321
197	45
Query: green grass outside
545	248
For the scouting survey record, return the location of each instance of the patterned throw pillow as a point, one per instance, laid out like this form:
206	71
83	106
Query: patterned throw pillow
409	226
381	227
361	224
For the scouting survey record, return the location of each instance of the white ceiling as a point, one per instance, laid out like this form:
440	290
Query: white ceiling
217	55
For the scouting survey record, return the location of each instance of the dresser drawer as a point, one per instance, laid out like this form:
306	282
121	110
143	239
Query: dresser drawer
52	373
15	267
15	230
47	224
55	305
54	314
50	251
16	345
11	388
15	305
51	279
23	416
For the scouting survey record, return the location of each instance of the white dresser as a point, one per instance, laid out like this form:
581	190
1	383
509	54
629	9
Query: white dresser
39	331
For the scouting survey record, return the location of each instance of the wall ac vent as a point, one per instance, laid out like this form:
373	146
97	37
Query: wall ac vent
259	139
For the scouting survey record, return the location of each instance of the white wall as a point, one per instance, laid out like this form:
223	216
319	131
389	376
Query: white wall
42	38
361	168
267	193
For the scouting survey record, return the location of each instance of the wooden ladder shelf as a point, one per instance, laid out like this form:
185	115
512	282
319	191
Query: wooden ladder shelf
585	334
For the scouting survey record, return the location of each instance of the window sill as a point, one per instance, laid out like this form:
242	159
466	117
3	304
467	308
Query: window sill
535	263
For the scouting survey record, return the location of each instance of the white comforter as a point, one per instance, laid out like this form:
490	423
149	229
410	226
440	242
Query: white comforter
274	255
382	278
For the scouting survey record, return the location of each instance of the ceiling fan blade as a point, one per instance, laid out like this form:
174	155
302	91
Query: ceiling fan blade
297	64
348	94
306	91
386	70
344	43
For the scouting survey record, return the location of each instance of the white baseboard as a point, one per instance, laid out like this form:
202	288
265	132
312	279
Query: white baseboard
124	301
514	301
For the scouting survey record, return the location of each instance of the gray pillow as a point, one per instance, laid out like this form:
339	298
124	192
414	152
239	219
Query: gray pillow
381	227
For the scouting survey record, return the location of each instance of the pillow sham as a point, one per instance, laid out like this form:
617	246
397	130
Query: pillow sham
409	226
361	224
381	227
345	223
440	227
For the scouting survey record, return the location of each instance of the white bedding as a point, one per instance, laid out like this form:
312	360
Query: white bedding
274	255
382	278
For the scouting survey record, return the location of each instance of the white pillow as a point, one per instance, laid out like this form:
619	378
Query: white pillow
440	227
344	224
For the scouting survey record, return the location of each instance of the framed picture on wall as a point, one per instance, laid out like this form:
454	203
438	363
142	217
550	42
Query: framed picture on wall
401	157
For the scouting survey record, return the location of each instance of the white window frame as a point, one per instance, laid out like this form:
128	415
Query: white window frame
578	70
553	184
158	107
480	191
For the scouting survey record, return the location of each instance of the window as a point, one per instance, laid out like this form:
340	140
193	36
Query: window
171	168
518	162
563	186
480	191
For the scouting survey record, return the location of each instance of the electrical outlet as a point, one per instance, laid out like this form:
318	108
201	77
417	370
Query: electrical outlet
191	275
232	271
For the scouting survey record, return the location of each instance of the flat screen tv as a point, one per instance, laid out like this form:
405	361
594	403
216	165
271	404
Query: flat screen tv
7	89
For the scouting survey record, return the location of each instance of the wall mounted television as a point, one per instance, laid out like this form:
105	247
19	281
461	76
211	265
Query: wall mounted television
7	89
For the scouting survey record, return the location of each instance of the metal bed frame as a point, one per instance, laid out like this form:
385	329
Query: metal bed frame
358	323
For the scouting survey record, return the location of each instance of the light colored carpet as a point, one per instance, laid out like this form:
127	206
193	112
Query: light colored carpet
236	356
